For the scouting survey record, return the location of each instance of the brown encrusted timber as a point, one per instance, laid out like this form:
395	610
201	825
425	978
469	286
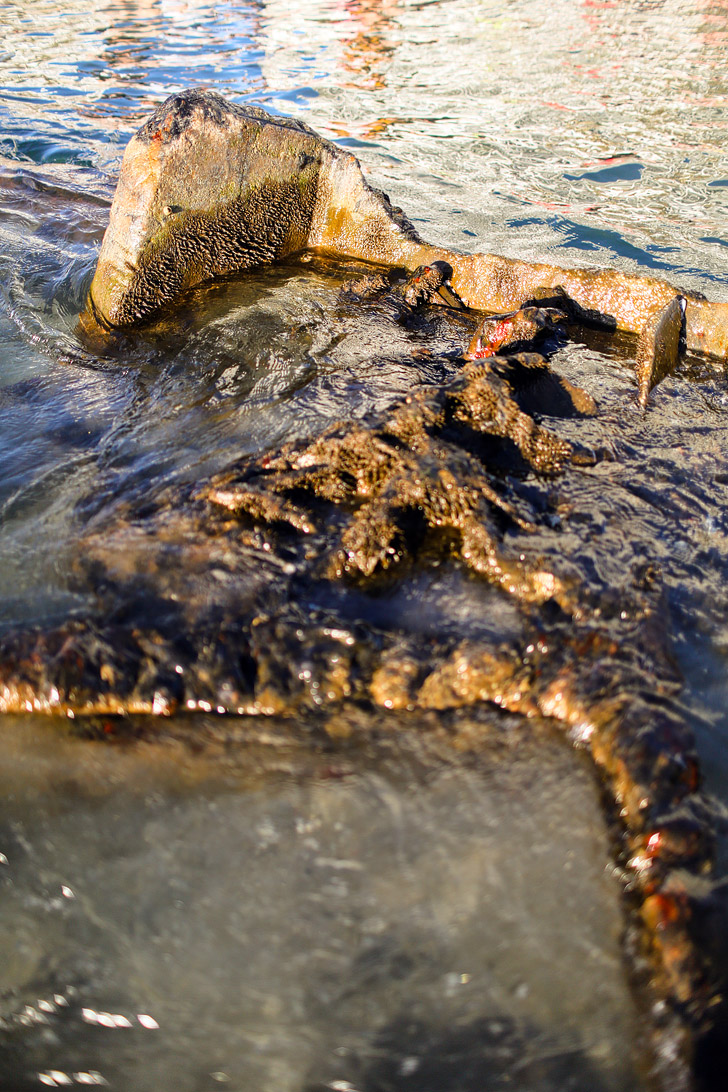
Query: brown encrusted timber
658	347
226	595
208	188
491	283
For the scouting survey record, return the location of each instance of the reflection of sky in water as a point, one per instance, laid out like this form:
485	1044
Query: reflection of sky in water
528	119
490	107
111	65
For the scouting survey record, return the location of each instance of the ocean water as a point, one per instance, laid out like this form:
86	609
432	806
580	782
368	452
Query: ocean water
378	914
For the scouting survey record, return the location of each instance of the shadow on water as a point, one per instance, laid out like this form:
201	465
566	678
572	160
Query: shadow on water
493	1053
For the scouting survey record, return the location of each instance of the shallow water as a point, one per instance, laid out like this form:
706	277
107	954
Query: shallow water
352	914
285	926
